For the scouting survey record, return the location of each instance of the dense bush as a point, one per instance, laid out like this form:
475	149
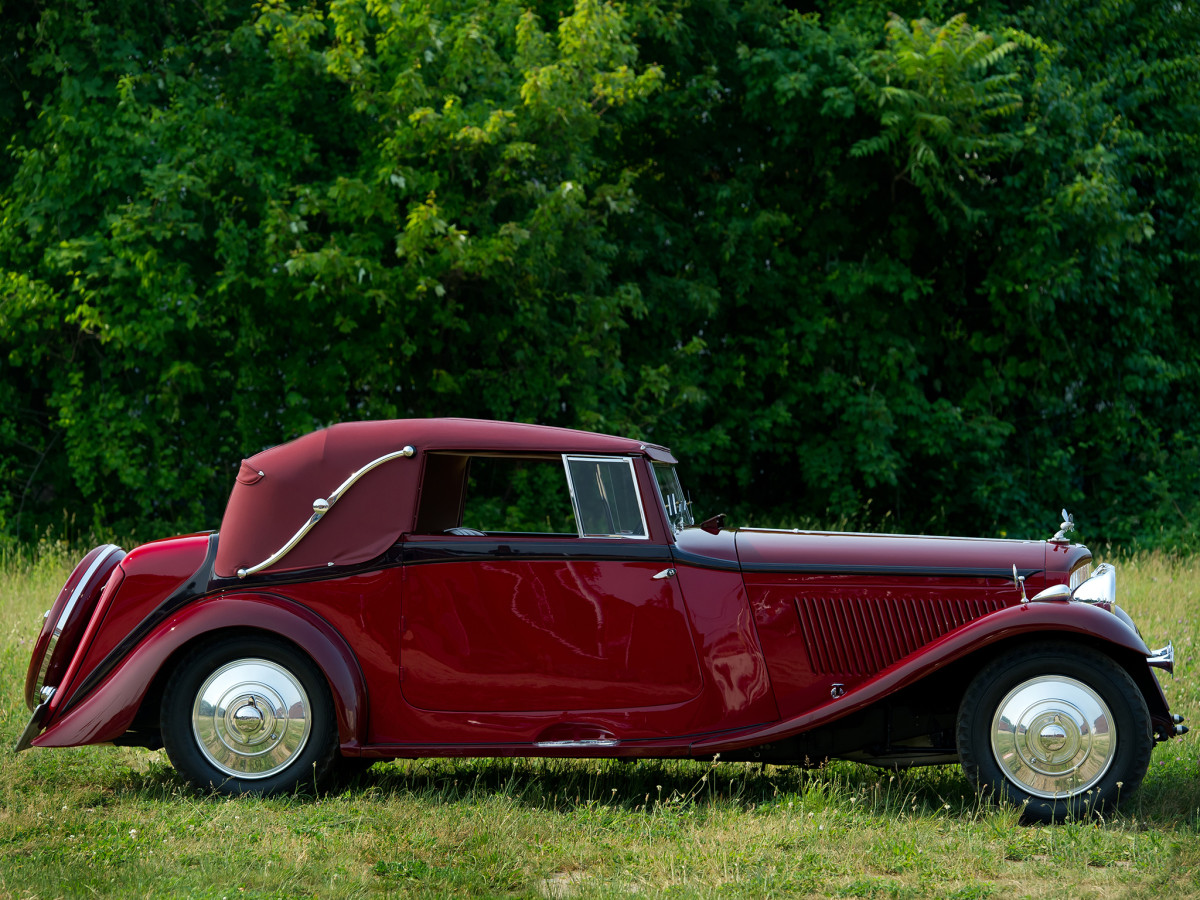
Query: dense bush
941	264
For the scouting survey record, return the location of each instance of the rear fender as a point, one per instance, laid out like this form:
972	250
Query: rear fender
1043	620
108	711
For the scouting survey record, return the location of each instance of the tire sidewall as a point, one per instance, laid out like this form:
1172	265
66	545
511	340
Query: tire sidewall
310	767
1131	727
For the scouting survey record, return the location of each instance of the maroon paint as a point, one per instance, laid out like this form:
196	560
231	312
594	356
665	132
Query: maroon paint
266	509
737	685
543	635
921	554
715	549
1041	619
821	630
719	632
77	620
151	572
107	712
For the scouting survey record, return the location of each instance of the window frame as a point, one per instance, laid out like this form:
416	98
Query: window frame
686	504
629	461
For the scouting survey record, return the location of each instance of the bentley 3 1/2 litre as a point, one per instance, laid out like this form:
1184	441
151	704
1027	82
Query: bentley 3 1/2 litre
374	593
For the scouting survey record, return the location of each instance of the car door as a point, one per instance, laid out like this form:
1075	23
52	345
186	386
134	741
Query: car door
512	621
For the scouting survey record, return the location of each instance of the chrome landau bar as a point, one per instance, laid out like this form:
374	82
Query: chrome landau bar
321	506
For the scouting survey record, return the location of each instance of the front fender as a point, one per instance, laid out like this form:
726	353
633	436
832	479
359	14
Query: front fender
108	710
1030	619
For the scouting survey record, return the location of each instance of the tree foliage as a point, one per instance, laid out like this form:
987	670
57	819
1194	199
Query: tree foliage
939	262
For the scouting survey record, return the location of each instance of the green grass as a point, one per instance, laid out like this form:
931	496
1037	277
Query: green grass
102	821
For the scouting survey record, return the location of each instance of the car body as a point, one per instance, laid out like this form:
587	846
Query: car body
454	587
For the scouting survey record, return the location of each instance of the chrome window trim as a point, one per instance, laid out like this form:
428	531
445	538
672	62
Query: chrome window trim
567	459
321	506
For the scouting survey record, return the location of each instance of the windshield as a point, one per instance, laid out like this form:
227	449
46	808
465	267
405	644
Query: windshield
675	503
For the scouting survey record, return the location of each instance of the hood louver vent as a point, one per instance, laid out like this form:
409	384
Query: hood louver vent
857	636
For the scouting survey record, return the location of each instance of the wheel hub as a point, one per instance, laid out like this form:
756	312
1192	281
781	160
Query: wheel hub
251	718
248	720
1051	739
1053	736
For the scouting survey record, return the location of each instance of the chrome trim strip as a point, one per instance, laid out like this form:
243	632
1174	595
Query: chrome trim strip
589	743
65	615
83	582
321	506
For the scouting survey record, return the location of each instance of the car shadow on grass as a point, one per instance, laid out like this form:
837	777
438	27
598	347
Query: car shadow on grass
569	785
655	785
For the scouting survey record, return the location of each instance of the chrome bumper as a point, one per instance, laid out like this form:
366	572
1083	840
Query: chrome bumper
1163	659
25	741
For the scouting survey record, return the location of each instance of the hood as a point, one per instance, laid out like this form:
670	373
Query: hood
841	553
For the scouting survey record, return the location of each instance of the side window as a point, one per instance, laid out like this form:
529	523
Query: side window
529	495
604	492
521	495
675	502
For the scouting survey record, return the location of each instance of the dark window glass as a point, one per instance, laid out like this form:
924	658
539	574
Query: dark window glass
606	497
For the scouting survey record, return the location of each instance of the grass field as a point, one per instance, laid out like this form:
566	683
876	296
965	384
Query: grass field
109	822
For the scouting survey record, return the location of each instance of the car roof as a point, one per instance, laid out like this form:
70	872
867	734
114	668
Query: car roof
275	490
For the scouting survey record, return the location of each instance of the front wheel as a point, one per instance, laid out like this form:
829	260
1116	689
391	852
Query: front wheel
249	715
1058	728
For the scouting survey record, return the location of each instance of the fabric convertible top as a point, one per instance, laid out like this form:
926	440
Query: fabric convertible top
275	489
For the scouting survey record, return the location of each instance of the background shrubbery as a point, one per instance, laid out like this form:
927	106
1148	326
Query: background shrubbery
943	265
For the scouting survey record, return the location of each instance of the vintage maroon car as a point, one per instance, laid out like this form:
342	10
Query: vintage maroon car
452	587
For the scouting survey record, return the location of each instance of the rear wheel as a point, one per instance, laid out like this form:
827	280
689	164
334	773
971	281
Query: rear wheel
249	715
1058	728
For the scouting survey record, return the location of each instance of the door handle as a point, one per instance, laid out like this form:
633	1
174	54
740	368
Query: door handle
665	573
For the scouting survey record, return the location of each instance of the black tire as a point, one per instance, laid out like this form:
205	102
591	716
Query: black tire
250	715
1075	736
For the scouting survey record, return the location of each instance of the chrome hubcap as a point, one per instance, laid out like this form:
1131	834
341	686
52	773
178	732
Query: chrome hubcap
1053	736
251	718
